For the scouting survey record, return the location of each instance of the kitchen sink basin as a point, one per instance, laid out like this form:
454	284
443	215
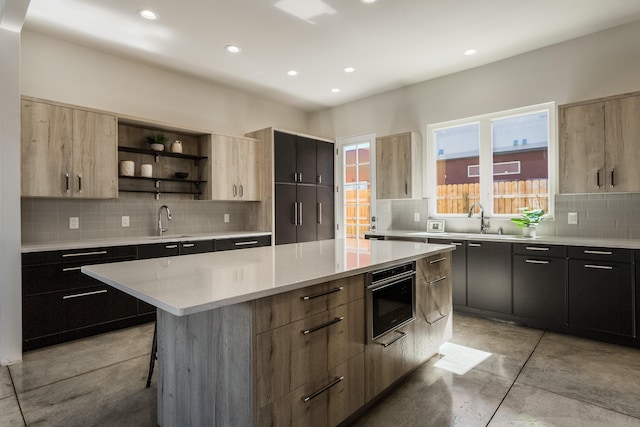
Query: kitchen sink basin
169	237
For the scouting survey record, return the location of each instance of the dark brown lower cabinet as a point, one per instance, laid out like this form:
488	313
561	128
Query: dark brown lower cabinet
489	276
296	213
539	288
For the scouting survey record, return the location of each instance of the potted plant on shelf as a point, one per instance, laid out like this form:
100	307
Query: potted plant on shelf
528	221
157	141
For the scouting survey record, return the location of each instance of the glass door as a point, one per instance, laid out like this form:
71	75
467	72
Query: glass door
355	160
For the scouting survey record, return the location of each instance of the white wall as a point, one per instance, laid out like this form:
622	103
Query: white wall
62	71
10	273
601	64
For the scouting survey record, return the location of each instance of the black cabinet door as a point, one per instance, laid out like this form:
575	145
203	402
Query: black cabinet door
489	276
326	213
196	247
600	296
458	269
286	211
94	306
307	213
306	160
158	250
539	288
284	157
325	162
41	315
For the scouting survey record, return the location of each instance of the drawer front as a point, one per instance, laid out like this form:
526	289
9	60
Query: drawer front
95	305
158	250
437	266
82	255
601	254
540	250
313	300
196	247
242	243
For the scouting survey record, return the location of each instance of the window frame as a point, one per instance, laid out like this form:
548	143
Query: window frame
486	157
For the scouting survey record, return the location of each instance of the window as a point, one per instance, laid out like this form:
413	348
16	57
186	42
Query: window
357	185
505	161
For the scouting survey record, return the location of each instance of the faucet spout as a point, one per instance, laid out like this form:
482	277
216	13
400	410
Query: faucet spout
160	228
483	227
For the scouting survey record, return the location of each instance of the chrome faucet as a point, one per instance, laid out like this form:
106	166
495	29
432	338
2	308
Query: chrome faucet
483	227
160	229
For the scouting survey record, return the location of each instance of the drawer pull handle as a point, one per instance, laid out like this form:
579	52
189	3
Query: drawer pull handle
599	267
188	245
171	246
457	243
475	245
84	254
439	279
85	294
399	337
535	261
335	381
324	325
587	251
435	261
71	268
442	316
249	242
534	248
321	294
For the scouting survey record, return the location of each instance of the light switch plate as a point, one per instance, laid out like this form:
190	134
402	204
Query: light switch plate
74	222
226	217
572	217
125	221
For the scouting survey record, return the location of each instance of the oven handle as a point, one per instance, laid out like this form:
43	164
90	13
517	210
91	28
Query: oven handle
381	284
399	337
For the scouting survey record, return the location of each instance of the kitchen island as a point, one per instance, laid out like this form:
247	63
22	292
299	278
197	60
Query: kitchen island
276	335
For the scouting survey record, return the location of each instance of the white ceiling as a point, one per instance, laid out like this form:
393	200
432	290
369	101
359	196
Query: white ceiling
391	43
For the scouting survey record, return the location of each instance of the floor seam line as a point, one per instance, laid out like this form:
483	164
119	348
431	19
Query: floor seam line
517	376
15	393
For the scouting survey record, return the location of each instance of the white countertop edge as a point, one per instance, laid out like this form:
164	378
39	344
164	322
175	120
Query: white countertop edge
550	240
187	237
250	296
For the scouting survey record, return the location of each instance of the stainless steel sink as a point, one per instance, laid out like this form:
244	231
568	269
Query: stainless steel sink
169	237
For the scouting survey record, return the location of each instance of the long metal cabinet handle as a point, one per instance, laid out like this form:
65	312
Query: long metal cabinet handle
319	179
398	338
599	267
300	176
535	261
323	389
84	254
66	182
171	246
71	268
598	178
324	325
439	279
79	183
435	261
588	251
319	213
457	243
534	248
235	190
188	245
295	213
85	294
241	190
248	242
321	294
475	245
300	213
613	178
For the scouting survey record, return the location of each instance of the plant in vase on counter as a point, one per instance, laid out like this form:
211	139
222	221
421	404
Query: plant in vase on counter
529	220
157	141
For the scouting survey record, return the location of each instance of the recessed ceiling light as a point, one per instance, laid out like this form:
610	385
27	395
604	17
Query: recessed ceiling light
232	48
368	1
335	90
470	52
349	69
292	72
148	14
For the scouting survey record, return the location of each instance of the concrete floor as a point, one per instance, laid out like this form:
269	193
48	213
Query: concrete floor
523	377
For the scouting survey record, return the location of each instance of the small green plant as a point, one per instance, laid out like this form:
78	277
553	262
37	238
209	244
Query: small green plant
157	138
528	218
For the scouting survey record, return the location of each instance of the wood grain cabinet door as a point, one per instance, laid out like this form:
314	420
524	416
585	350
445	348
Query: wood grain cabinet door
247	166
46	150
393	167
622	148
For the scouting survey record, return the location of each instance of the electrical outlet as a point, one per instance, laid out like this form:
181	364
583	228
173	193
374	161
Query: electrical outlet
74	222
226	217
125	221
416	217
572	217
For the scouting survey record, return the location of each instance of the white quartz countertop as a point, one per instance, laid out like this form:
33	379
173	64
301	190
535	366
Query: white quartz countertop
193	283
551	240
58	246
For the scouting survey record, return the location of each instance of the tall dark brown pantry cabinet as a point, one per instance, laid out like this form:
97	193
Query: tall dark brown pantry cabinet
304	191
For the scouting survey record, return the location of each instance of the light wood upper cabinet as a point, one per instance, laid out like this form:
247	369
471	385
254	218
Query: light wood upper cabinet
398	166
235	168
598	145
67	152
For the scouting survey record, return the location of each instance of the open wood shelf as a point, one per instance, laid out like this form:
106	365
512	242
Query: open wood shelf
160	153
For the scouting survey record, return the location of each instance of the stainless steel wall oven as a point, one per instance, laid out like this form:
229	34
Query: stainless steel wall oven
390	299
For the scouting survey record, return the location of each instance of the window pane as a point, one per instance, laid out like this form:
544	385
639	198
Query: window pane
457	168
357	190
520	163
